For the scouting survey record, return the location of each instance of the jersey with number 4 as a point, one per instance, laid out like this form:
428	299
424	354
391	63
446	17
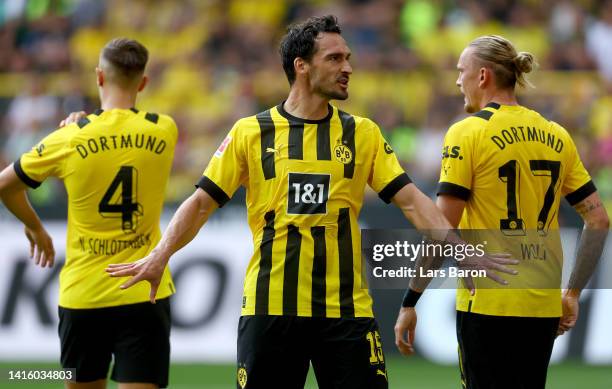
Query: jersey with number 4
305	183
512	166
115	165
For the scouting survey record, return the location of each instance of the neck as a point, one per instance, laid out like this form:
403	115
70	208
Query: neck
503	97
306	105
112	98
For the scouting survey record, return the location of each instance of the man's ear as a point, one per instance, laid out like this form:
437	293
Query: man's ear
300	66
143	83
485	76
99	76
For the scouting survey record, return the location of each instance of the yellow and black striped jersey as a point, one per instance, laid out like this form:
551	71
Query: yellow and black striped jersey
305	183
115	165
512	165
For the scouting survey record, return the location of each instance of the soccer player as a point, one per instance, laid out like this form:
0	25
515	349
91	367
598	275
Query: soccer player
115	164
505	168
305	165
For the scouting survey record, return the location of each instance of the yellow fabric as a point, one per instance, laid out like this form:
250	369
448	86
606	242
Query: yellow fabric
482	156
239	162
98	163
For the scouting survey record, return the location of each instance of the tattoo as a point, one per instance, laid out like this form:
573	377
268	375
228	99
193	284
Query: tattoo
590	249
587	206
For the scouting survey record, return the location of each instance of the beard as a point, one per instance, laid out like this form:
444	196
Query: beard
333	93
468	106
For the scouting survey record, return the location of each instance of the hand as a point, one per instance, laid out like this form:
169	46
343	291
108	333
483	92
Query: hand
405	325
488	263
570	304
73	118
41	246
150	268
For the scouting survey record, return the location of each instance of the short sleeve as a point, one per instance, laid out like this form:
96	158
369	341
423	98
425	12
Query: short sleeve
227	169
387	176
577	183
45	159
457	164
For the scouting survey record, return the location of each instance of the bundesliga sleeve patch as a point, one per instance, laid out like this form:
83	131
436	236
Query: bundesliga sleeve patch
223	146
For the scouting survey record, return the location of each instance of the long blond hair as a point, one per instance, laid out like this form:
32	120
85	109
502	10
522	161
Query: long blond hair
499	54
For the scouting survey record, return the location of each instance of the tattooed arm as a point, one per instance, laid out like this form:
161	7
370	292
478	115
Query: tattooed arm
590	248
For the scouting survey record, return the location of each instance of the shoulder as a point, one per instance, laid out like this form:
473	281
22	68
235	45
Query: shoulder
65	134
470	126
254	124
362	123
163	119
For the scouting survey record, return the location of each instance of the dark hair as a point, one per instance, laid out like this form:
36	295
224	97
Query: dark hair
127	57
300	41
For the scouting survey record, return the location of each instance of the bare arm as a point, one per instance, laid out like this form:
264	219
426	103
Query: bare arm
590	248
184	226
440	219
420	210
592	241
13	195
186	223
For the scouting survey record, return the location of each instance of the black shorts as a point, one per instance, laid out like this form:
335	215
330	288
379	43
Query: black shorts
499	352
276	352
136	335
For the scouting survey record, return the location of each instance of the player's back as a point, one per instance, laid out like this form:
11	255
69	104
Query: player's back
521	165
115	165
512	165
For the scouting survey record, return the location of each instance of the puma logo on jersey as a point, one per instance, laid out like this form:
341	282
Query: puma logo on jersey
382	373
275	150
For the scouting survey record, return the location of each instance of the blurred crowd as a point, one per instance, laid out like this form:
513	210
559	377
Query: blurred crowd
214	61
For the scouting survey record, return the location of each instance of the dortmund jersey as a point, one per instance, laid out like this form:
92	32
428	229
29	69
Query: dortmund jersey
305	182
512	166
115	165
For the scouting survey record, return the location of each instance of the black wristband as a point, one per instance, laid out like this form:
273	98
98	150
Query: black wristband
411	298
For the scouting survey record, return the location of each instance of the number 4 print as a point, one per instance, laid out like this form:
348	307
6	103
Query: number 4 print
123	204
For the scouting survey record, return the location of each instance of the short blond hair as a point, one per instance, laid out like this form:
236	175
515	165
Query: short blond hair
499	54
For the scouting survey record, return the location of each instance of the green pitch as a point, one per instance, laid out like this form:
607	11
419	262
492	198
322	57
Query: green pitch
403	374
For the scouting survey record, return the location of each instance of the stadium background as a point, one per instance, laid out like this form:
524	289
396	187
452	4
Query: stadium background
213	62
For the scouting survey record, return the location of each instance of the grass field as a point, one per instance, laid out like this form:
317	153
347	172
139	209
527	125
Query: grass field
403	374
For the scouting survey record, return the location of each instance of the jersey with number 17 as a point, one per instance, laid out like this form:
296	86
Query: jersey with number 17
511	166
115	166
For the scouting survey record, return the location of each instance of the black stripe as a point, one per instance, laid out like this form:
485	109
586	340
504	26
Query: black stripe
348	139
345	254
484	114
98	111
23	176
554	168
319	272
292	268
83	122
266	126
265	265
134	110
448	188
213	190
581	193
152	117
393	187
323	140
296	140
493	105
